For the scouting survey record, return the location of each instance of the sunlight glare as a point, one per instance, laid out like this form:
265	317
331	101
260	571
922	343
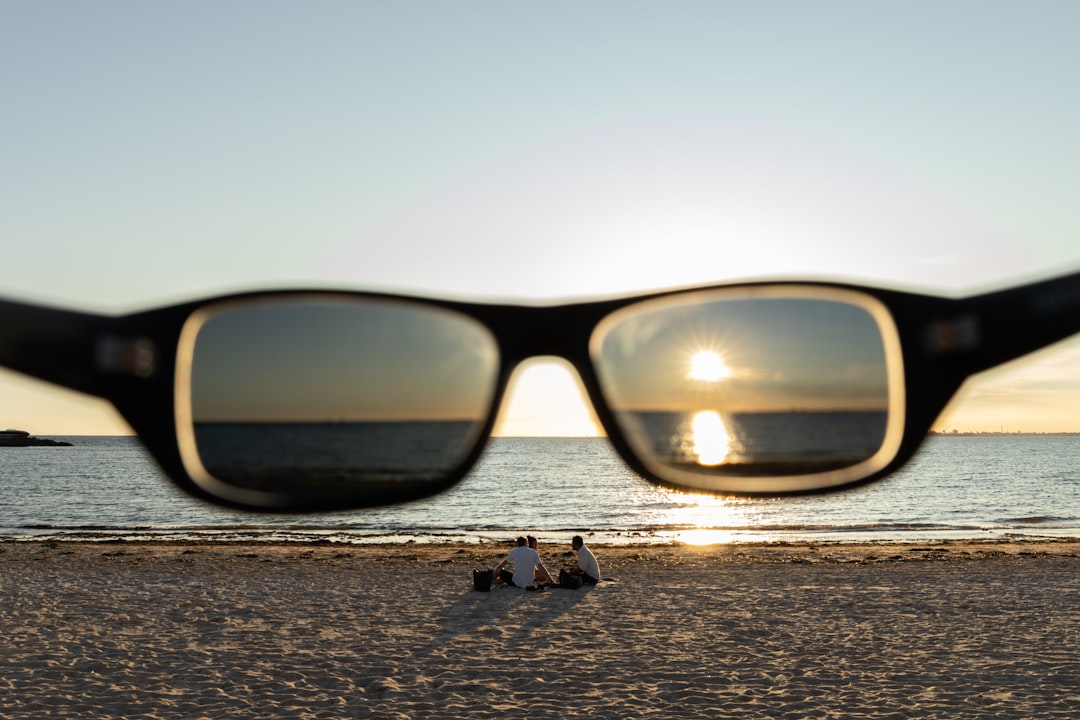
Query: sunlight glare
707	365
707	536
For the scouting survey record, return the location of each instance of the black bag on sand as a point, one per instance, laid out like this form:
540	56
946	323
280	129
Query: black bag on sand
566	580
481	580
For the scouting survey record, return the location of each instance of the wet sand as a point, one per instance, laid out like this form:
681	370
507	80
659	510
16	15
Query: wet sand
162	630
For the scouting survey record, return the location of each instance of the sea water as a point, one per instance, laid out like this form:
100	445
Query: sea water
979	487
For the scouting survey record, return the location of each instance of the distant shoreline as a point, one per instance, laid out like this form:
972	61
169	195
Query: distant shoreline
999	433
932	433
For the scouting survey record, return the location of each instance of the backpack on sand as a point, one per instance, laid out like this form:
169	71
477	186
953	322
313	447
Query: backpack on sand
481	580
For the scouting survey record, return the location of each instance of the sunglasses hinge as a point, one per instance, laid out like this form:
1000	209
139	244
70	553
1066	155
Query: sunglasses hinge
135	357
959	334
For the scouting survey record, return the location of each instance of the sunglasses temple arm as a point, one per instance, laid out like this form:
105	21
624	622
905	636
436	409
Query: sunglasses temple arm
63	347
1005	325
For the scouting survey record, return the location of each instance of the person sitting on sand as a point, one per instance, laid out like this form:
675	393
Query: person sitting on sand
542	574
587	567
526	562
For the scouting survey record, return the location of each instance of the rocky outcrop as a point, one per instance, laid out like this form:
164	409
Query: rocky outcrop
21	438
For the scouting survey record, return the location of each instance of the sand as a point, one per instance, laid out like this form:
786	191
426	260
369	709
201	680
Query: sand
930	630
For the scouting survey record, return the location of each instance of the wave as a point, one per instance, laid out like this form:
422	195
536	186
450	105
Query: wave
1036	520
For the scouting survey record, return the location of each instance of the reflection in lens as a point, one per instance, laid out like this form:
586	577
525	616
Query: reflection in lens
761	389
711	440
348	397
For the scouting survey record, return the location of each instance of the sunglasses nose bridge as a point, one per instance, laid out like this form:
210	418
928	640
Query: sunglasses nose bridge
559	331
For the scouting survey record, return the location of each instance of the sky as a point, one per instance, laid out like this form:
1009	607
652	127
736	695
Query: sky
157	152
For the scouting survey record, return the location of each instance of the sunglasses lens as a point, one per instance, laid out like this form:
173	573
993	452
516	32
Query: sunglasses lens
765	389
326	400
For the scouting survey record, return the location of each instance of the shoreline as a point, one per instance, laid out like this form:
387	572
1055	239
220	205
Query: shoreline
930	630
867	549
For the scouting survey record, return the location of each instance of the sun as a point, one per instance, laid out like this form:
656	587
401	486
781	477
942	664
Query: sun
708	366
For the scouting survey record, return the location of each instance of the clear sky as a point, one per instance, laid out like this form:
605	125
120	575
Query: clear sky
151	152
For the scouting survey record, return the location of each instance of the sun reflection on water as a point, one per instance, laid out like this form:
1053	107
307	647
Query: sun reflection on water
712	442
706	519
707	537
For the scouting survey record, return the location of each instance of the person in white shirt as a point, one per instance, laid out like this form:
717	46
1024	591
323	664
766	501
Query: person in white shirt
542	574
587	566
526	563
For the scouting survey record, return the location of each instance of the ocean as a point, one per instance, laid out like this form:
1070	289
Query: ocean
967	487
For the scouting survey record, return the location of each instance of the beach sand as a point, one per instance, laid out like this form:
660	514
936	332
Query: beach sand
928	630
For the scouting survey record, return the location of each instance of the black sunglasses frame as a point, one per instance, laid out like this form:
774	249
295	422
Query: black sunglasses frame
131	360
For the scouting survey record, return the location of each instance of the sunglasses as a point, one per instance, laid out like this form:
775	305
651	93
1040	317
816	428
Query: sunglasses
318	400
